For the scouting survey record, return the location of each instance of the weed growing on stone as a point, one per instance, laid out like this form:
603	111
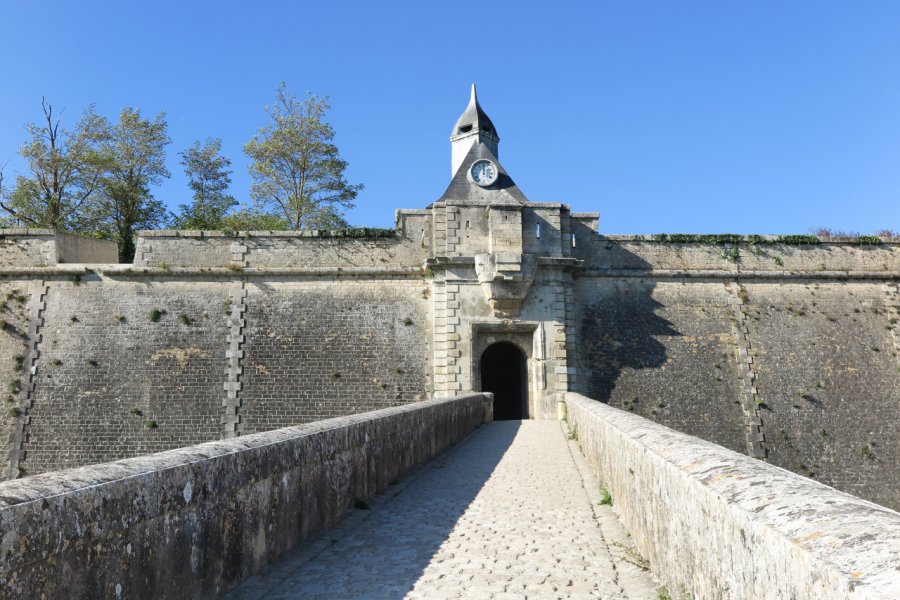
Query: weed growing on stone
663	594
74	319
866	452
336	375
15	386
227	306
778	261
605	497
233	267
630	555
93	362
15	412
807	471
185	320
156	314
120	319
151	424
57	362
15	295
361	504
137	411
731	253
18	362
407	321
76	279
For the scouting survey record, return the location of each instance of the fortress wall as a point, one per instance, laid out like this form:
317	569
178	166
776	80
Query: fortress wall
664	350
828	373
320	349
275	249
106	370
701	513
192	522
633	252
80	249
27	248
16	302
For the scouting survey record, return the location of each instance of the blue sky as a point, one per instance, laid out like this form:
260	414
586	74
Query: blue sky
751	117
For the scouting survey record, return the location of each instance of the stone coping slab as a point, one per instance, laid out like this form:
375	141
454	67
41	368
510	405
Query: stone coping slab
721	525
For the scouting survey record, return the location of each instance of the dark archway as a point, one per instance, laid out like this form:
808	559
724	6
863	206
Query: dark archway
504	372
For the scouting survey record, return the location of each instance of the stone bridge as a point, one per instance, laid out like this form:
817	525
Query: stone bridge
438	500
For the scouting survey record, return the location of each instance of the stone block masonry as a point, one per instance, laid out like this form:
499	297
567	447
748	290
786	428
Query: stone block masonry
192	522
134	362
826	370
126	367
319	349
785	352
715	524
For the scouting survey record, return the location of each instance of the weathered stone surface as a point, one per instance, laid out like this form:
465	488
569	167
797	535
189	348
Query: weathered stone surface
509	513
720	525
664	350
190	523
46	248
276	249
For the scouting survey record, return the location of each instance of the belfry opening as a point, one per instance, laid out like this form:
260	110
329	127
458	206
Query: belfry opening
504	371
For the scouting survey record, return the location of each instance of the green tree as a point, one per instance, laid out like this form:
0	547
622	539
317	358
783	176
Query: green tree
297	171
209	177
133	155
64	175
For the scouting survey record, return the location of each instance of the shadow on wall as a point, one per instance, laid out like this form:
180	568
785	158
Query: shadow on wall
619	325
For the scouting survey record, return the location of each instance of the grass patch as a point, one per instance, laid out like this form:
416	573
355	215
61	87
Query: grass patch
605	497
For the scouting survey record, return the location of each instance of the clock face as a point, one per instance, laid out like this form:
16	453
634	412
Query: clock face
483	172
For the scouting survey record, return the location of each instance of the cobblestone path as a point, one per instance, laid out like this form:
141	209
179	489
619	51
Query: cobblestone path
511	512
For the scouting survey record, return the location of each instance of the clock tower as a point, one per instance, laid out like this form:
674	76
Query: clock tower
473	126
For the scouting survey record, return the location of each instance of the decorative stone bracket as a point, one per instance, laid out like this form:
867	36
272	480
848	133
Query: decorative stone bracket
505	279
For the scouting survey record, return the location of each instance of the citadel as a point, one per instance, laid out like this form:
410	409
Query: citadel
781	348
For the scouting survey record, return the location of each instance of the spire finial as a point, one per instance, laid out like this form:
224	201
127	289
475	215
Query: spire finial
474	98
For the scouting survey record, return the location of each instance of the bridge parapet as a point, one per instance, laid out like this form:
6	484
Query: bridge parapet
717	524
189	523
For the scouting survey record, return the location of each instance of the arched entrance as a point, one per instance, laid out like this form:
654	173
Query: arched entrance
504	372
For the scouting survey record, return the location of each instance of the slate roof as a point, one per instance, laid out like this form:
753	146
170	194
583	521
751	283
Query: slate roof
475	117
504	190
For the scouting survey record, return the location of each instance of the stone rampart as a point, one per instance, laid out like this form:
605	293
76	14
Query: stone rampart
27	248
46	248
190	523
717	525
116	362
644	254
801	372
278	249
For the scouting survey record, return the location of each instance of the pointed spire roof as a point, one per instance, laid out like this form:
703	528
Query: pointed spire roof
474	120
